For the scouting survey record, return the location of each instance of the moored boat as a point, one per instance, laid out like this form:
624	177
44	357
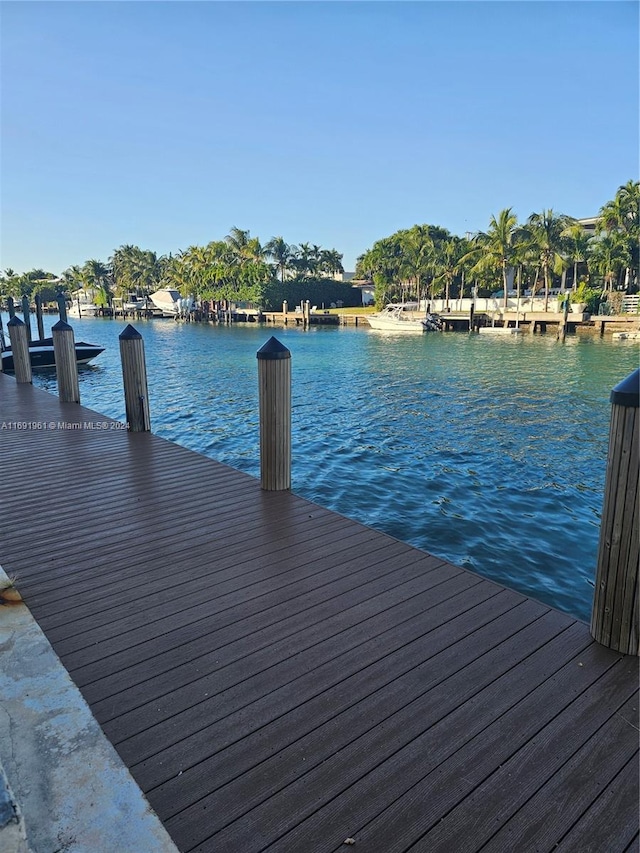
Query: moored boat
134	304
78	310
82	304
41	354
403	317
166	301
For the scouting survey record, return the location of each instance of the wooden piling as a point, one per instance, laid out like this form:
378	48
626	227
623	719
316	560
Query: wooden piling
562	325
307	314
274	383
26	313
285	308
39	320
64	349
62	306
134	376
19	349
11	308
615	620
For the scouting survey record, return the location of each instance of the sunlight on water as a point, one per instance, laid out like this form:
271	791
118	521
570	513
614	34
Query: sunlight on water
489	452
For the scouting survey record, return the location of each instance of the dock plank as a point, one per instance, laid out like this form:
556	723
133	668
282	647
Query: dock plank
279	677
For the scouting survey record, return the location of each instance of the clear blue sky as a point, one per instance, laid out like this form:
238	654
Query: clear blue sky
336	123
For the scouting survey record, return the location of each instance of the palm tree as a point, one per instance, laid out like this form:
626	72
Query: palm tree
9	282
621	214
418	253
331	262
382	264
281	253
316	259
237	239
96	275
546	231
304	259
122	263
72	278
495	248
135	270
448	257
609	255
578	246
254	251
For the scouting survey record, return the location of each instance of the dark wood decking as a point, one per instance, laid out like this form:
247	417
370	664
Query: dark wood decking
279	677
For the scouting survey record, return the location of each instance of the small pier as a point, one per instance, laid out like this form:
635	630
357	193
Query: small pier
541	322
297	318
276	676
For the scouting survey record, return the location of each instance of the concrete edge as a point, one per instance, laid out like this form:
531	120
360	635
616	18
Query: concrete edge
67	789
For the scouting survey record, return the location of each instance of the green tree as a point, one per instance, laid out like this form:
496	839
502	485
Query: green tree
304	260
577	243
546	231
331	262
418	256
135	270
72	279
238	240
609	255
281	253
494	250
382	264
96	277
622	215
448	265
28	283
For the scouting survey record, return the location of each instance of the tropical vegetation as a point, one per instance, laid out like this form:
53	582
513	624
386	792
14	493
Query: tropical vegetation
238	268
426	261
549	249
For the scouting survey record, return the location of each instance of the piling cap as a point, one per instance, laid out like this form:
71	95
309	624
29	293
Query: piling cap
627	392
129	334
15	321
61	326
273	350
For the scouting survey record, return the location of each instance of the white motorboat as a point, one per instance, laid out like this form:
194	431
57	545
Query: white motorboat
134	304
79	310
167	301
82	304
403	317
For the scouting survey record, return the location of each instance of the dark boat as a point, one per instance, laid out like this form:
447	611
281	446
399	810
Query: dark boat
41	354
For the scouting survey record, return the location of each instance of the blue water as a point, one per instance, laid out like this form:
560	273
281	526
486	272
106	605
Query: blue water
489	452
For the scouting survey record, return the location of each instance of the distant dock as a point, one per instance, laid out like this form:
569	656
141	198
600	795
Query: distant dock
316	318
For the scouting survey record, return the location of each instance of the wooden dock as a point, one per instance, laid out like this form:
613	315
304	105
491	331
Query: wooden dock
278	677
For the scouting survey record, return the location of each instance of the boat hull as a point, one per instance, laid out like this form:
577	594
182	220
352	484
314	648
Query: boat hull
388	324
41	354
166	301
83	311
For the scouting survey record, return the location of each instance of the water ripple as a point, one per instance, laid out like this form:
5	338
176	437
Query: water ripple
488	452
